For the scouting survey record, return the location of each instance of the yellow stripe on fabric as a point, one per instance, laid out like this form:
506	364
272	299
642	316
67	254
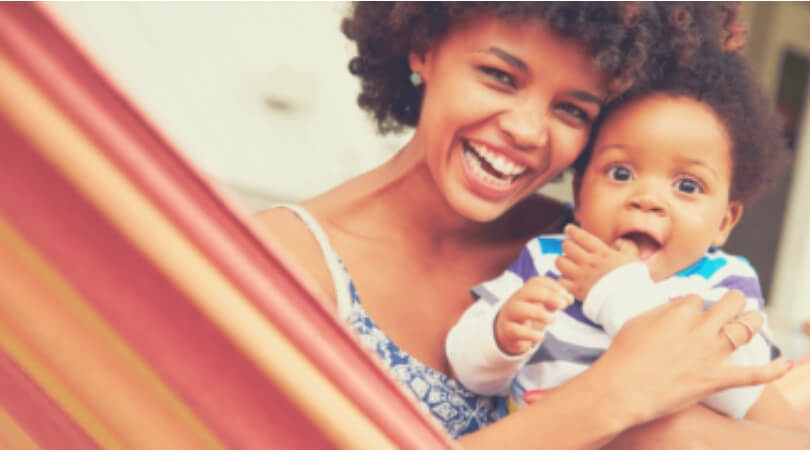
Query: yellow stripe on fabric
49	382
12	435
92	374
168	249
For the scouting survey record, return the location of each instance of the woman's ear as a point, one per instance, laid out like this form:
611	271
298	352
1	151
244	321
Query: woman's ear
419	64
732	216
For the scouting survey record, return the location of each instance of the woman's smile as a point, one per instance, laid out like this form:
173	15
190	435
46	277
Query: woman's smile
499	117
491	173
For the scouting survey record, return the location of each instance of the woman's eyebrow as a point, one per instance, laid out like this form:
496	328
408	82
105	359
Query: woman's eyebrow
586	96
508	58
518	64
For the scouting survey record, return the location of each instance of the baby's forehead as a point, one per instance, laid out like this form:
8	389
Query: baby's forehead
667	127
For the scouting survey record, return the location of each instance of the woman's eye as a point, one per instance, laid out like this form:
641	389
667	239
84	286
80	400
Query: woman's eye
575	112
688	186
620	173
500	76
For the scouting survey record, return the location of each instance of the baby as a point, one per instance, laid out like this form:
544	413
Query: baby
657	193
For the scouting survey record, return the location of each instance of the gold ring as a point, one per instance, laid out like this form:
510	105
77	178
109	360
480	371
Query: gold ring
730	339
747	328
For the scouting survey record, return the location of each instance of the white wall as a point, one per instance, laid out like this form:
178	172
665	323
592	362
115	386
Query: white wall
205	72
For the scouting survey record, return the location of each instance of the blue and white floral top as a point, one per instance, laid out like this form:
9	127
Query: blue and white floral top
459	410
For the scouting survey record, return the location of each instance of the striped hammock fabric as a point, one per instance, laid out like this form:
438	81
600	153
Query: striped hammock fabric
138	309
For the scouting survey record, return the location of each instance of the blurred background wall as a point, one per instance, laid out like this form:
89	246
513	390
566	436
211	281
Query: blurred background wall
258	95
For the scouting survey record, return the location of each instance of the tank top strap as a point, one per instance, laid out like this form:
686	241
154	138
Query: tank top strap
340	277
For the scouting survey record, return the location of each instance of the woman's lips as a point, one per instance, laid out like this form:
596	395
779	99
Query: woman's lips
483	176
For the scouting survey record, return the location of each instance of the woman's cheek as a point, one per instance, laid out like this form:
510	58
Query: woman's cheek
570	144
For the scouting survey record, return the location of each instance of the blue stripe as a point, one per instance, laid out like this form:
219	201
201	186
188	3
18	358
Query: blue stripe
550	246
705	267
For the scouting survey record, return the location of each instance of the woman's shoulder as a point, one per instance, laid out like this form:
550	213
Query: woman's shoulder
298	243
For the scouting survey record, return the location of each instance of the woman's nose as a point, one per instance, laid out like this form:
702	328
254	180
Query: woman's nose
526	126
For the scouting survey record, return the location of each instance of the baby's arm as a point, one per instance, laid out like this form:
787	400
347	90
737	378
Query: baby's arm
493	338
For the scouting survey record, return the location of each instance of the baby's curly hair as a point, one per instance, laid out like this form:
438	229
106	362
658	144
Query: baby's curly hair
725	82
621	38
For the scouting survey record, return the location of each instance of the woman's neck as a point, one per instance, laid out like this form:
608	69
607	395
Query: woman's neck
398	200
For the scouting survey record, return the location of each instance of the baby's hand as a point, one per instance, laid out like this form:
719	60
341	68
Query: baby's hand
586	259
523	319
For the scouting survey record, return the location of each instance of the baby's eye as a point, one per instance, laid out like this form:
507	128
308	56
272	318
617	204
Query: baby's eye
688	186
620	173
500	76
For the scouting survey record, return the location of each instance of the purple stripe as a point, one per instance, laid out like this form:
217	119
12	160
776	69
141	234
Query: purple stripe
524	265
749	286
575	310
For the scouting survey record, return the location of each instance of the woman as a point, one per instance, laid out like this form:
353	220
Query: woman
502	98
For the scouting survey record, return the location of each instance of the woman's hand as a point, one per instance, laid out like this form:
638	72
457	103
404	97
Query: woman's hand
676	355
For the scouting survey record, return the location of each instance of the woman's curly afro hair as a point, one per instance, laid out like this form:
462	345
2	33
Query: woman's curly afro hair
621	37
724	82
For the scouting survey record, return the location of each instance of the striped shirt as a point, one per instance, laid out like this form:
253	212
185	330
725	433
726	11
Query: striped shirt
582	332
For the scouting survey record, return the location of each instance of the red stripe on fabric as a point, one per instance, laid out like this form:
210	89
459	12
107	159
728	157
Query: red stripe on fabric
36	413
263	274
226	391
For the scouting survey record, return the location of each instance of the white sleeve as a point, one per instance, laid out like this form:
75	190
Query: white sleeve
477	361
624	293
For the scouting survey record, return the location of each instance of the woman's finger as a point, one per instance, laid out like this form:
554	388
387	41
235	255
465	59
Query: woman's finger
726	309
740	330
739	376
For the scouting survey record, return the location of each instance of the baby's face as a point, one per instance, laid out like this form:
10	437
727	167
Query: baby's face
659	175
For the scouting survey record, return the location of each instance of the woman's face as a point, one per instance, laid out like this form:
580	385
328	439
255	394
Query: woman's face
506	107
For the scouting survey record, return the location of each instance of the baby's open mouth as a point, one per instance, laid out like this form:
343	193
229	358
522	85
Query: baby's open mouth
647	245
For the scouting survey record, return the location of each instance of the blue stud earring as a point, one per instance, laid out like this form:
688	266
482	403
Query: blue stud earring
416	79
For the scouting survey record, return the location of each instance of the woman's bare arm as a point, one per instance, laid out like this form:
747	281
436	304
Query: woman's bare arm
698	428
661	362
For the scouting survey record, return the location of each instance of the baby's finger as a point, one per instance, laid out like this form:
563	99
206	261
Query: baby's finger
567	267
571	249
547	292
515	331
586	240
568	285
530	312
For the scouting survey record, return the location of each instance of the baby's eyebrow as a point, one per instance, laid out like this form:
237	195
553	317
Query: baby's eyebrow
697	162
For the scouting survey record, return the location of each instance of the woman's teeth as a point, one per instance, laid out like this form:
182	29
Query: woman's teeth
499	171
